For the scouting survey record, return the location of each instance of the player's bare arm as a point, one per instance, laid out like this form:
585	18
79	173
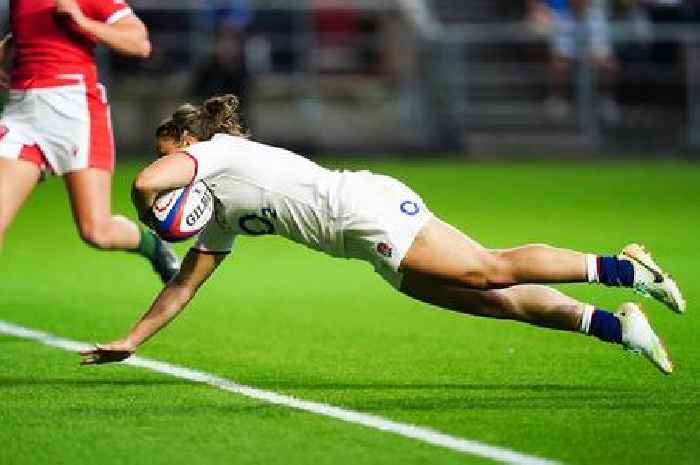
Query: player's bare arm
127	36
166	173
196	269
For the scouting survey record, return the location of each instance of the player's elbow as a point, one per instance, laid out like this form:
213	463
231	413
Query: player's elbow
144	183
139	48
135	42
143	49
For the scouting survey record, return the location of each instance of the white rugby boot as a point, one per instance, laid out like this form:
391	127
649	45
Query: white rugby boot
639	337
650	280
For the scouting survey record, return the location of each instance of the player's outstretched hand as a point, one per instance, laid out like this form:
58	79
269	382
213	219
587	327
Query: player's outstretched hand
106	353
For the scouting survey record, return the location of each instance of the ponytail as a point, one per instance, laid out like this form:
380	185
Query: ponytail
220	114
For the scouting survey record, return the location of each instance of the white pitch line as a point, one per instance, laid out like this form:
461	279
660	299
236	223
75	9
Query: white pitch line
466	446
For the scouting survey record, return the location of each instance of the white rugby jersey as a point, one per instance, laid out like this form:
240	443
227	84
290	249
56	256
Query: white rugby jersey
260	189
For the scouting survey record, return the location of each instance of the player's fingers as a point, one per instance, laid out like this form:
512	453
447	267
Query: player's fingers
90	360
119	355
108	356
103	354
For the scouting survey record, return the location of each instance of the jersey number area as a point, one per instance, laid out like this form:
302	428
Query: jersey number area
259	225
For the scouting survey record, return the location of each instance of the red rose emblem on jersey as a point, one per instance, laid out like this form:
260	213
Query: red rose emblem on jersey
3	131
384	249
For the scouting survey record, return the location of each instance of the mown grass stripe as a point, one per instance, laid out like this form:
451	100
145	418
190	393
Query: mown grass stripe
426	435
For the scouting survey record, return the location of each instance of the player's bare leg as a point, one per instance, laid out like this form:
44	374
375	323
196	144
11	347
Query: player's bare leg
445	253
529	303
90	192
17	180
545	307
90	195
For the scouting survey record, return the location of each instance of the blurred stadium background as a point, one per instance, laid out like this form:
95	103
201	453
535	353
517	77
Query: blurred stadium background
469	77
447	81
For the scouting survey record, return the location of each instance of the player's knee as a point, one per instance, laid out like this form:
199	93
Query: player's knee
95	234
494	272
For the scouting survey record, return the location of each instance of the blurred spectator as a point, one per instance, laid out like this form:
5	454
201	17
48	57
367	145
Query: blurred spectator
397	46
275	34
225	70
578	29
235	14
667	12
4	16
338	35
630	16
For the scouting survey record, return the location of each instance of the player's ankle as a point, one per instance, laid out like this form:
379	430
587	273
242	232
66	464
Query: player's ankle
602	324
609	270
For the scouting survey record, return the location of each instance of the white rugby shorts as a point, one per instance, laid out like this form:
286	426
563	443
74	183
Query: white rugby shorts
62	127
381	218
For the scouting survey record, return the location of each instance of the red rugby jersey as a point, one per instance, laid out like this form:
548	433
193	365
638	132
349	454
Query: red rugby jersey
48	46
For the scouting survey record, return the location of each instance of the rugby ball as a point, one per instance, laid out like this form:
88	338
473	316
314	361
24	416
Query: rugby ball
181	213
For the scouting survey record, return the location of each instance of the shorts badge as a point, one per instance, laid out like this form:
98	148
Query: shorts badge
410	208
384	249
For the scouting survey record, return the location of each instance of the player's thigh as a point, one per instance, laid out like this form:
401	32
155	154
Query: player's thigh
17	180
443	252
90	193
491	303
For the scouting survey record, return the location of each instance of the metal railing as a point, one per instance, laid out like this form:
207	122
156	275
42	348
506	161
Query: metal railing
446	95
519	35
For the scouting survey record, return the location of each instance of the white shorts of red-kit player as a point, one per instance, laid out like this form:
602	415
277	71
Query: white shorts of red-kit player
61	123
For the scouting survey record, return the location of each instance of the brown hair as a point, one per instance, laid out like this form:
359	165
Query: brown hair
220	114
185	120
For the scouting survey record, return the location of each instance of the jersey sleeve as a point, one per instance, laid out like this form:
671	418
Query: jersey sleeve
109	11
208	158
213	239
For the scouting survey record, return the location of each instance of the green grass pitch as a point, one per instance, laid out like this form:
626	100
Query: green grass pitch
283	318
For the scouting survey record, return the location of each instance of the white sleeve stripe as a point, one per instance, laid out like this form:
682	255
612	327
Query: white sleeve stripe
119	14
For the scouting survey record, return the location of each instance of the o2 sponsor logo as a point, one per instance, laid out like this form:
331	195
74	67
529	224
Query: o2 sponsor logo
410	208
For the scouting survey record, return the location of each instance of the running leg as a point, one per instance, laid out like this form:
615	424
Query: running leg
17	180
90	195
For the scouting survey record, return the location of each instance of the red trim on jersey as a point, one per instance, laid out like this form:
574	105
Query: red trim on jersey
101	144
196	166
33	154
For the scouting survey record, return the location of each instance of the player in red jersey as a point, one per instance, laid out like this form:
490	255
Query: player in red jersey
57	119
